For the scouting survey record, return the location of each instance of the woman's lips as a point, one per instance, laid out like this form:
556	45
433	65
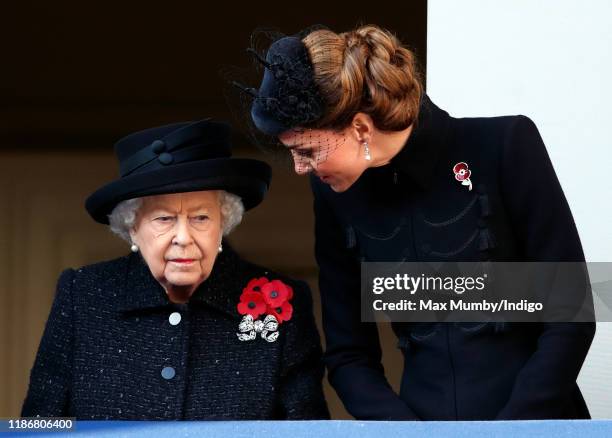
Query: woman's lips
183	261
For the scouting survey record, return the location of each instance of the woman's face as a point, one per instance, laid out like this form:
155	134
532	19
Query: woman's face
178	236
336	157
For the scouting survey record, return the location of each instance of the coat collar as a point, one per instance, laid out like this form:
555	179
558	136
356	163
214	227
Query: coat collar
221	290
419	156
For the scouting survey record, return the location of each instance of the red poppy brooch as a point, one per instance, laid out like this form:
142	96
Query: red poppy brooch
462	174
263	297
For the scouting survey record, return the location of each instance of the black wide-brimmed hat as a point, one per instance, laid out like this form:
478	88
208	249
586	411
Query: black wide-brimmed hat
177	158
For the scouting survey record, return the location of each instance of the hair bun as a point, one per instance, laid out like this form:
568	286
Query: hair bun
365	70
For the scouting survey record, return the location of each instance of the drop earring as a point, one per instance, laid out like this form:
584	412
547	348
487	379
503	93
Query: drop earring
220	248
134	247
367	151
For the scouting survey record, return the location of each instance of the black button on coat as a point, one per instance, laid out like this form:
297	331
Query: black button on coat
413	209
109	350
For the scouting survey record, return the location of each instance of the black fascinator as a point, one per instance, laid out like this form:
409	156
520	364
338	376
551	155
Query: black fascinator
287	96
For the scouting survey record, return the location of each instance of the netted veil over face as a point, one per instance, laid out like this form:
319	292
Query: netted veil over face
287	102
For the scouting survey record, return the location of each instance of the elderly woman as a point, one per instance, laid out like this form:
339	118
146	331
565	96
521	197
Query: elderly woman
182	328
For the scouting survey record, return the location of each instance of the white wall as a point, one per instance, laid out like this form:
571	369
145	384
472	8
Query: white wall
552	61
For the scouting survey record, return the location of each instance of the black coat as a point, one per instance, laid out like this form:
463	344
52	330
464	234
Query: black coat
108	338
413	209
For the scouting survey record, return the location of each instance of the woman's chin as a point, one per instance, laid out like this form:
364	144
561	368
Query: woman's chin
184	280
340	186
180	292
181	285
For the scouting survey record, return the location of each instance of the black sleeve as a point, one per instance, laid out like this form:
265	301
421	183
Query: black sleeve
50	378
543	224
353	355
301	385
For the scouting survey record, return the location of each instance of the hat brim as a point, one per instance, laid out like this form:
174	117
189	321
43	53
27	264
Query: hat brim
247	178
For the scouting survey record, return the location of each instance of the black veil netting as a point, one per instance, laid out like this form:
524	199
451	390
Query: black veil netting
295	101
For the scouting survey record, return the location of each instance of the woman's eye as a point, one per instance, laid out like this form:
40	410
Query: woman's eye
201	218
164	219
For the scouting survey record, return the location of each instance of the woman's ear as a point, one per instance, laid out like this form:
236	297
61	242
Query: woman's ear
362	127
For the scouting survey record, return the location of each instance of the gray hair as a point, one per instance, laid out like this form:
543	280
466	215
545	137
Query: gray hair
123	216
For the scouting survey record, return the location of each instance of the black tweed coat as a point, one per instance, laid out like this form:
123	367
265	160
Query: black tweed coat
109	336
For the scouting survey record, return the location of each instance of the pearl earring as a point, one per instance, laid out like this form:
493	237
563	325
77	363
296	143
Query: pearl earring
367	151
220	248
134	247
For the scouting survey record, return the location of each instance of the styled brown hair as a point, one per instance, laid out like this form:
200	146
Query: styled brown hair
366	70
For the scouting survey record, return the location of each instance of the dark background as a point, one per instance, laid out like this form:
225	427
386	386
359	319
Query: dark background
82	74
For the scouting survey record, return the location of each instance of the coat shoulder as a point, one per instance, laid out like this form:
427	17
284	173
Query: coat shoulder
491	144
102	271
91	281
486	131
490	123
103	268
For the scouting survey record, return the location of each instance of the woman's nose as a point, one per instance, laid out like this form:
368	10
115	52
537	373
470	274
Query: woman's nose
183	232
301	167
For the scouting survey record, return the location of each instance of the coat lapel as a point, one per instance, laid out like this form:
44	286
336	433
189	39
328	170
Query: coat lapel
222	289
141	290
